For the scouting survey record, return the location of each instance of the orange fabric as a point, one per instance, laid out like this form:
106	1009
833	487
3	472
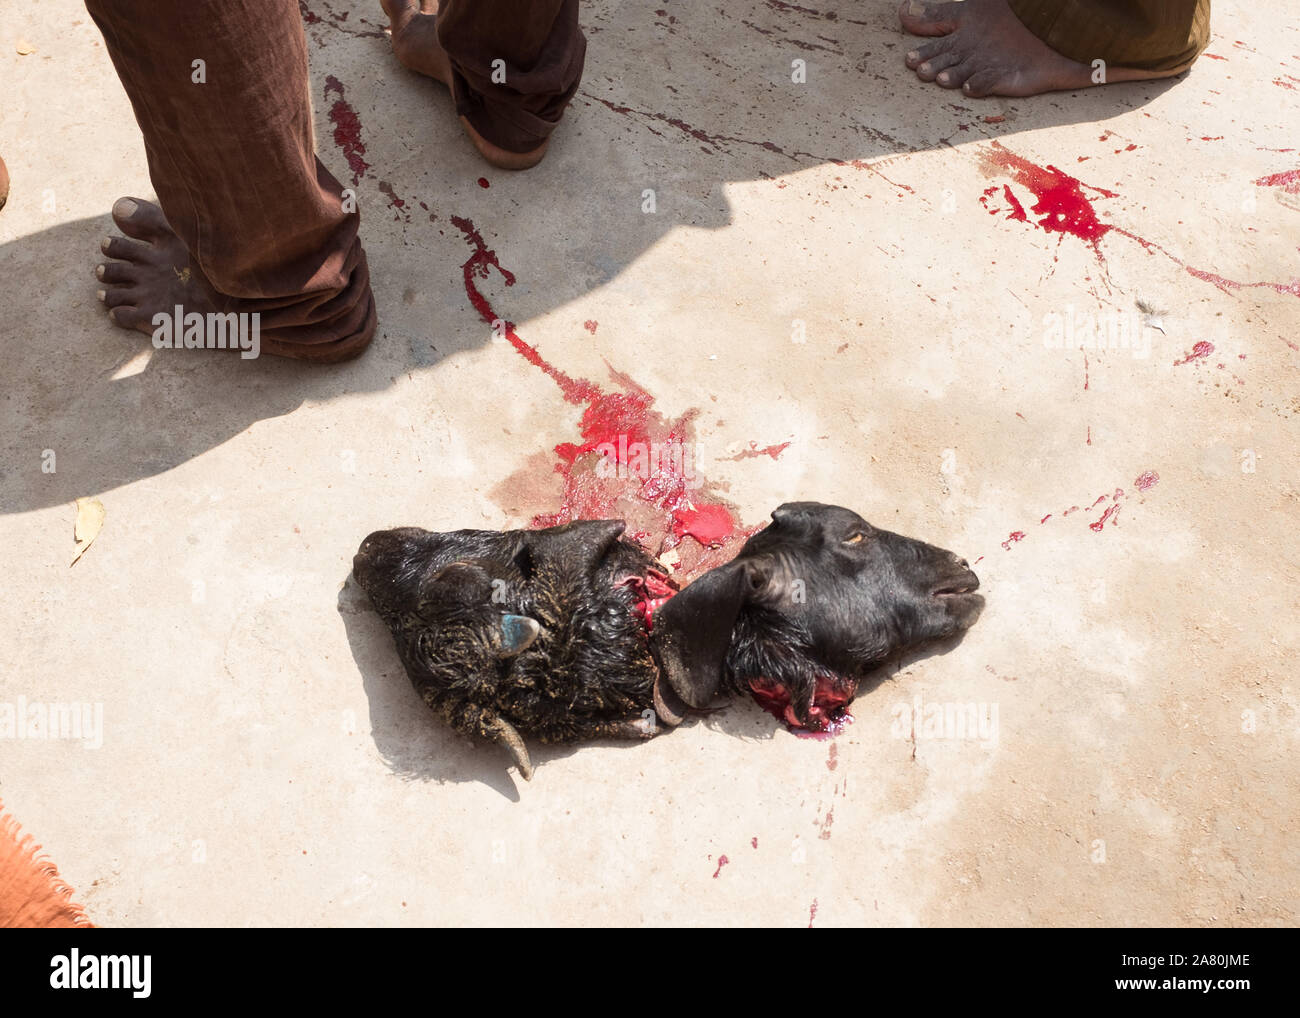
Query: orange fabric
31	893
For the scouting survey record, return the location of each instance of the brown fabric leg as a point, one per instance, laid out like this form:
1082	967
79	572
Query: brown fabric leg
1148	35
541	48
233	164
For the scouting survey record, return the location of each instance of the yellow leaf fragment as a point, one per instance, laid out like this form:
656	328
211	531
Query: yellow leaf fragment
90	520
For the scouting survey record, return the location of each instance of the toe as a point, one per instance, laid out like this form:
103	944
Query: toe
927	51
936	67
140	219
116	296
116	272
126	249
396	8
928	19
982	83
955	77
129	318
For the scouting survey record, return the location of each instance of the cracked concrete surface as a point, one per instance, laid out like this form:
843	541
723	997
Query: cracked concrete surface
264	758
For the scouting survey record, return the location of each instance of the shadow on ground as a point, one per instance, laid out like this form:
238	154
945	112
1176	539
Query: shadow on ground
417	746
572	225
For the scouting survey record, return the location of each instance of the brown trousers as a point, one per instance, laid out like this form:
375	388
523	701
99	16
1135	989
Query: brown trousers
232	158
1149	35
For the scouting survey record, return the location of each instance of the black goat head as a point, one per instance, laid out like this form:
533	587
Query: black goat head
535	631
810	605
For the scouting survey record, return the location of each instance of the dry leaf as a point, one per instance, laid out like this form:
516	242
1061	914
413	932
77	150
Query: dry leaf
24	47
90	520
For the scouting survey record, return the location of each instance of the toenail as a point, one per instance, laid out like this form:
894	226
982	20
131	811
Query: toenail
916	8
944	76
912	54
99	272
124	208
103	244
99	294
925	67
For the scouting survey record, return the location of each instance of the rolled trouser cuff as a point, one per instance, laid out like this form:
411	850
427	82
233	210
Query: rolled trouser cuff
516	64
1148	35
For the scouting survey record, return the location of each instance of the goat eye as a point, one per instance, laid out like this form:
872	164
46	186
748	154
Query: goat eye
856	539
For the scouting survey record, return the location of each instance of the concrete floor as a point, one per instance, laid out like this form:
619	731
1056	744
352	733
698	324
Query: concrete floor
264	760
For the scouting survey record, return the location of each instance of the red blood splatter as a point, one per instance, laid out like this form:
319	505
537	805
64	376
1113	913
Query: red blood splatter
395	203
347	129
722	861
1085	371
308	16
1228	285
1110	511
483	183
825	833
718	141
1213	56
1289	181
1060	199
1017	212
1145	481
753	451
1200	351
590	325
1066	209
1205	137
710	524
754	842
1290	83
632	463
831	761
812	913
994	120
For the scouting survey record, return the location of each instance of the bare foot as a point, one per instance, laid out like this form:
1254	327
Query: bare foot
4	184
984	49
152	271
413	31
413	28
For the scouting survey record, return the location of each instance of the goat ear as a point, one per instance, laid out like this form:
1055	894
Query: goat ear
691	635
461	583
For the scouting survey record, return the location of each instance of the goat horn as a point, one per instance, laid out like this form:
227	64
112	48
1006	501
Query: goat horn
518	632
505	733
